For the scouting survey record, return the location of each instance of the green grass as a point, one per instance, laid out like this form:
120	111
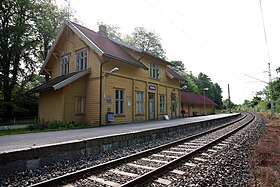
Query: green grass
26	131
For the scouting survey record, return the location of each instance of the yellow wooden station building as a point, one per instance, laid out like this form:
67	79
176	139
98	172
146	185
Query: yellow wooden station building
97	80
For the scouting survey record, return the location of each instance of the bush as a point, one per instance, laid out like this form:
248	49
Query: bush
56	125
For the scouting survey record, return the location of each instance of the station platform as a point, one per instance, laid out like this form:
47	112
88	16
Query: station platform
34	140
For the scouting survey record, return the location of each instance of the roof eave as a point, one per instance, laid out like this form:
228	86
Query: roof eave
71	79
53	46
85	39
126	61
80	35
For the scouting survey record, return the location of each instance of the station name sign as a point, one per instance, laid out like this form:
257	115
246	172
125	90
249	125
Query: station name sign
152	87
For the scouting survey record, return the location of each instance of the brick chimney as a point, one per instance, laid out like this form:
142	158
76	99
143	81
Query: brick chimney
103	30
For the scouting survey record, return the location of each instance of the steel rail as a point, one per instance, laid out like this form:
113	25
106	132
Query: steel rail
69	177
145	178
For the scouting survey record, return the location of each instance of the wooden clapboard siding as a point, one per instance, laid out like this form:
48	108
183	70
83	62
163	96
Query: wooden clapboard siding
198	109
76	89
51	106
113	83
129	77
92	101
67	45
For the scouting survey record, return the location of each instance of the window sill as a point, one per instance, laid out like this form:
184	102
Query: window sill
139	114
80	114
119	115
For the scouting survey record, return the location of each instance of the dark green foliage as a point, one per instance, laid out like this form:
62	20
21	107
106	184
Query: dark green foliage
27	30
198	84
148	41
178	66
112	30
57	125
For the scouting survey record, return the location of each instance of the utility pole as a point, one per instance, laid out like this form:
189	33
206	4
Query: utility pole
229	107
269	72
271	91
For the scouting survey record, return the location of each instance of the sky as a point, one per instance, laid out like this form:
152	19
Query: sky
223	39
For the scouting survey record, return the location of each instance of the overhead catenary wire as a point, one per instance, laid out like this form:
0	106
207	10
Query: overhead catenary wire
194	40
206	39
269	70
264	31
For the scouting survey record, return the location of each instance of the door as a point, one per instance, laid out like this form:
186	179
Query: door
173	105
151	106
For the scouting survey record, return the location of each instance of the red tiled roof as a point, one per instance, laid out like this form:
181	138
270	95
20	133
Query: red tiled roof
174	74
191	98
110	48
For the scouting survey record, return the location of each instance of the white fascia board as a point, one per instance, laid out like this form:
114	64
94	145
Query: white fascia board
71	79
53	46
85	39
169	75
76	31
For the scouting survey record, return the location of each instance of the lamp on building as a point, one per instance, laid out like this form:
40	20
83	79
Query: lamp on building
204	89
115	69
181	104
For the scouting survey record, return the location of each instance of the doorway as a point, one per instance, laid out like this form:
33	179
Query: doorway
173	106
151	106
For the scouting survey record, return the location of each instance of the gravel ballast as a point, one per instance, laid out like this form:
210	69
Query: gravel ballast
228	167
199	176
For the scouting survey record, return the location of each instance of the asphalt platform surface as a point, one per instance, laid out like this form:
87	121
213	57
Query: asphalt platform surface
33	140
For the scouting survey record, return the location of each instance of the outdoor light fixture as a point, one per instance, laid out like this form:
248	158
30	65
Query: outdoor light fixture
114	70
204	89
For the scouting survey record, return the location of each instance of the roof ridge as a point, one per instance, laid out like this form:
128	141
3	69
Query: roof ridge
84	27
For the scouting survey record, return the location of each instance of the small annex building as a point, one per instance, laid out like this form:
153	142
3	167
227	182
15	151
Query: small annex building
196	105
96	80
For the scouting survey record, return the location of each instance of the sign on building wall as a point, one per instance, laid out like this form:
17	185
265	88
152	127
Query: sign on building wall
152	87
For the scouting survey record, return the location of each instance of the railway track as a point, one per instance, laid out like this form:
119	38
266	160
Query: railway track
142	167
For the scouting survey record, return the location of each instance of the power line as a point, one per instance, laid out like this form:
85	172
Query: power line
269	70
190	37
264	31
204	37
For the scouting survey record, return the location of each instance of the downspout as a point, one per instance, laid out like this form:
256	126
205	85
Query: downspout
100	92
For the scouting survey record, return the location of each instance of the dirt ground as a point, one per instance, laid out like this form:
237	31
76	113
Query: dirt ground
266	161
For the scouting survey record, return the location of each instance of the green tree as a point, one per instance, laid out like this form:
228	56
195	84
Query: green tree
112	30
27	28
48	21
217	95
148	41
178	66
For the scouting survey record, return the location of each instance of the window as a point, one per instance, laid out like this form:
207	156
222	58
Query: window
162	104
80	106
154	71
81	60
119	102
139	103
64	65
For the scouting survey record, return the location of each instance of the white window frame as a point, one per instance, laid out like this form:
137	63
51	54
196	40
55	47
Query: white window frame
162	104
119	102
81	60
154	71
64	65
82	109
139	103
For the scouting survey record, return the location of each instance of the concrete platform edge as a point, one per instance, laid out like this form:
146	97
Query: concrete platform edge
39	156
